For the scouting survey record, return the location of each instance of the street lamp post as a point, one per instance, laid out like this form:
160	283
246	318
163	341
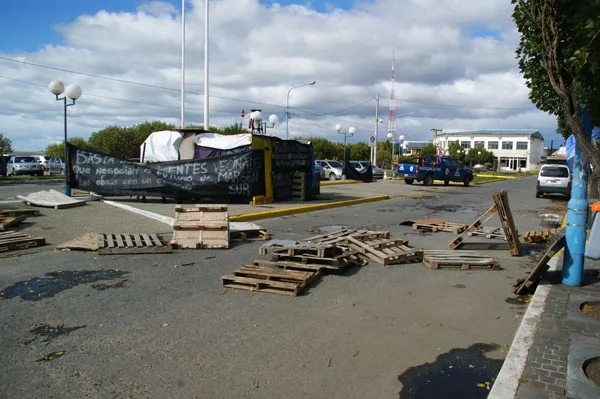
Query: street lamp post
478	157
341	130
401	145
73	92
287	105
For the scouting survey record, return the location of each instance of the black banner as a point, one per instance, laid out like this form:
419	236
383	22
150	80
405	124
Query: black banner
237	176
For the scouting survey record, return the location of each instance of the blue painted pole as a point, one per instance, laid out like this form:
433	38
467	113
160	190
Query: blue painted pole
577	210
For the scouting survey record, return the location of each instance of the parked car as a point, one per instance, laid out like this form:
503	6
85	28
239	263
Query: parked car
362	165
56	166
24	165
434	167
332	170
43	160
3	163
553	179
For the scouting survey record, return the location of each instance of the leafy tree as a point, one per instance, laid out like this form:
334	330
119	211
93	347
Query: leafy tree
473	156
236	128
58	150
5	145
358	152
429	149
559	56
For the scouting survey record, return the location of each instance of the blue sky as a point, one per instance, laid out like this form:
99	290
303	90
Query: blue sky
455	65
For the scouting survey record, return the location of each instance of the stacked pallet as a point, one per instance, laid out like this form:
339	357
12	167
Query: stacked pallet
300	186
11	240
374	245
201	226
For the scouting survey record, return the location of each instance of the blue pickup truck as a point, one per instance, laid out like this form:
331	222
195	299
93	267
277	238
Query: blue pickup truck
434	167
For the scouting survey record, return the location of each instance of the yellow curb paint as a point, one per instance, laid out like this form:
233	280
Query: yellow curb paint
302	209
335	183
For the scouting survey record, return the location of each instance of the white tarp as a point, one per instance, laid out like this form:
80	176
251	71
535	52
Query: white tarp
161	147
223	142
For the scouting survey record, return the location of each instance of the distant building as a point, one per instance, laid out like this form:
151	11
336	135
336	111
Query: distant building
514	149
414	147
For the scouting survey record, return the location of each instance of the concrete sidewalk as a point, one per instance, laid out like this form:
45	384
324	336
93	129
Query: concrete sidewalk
555	341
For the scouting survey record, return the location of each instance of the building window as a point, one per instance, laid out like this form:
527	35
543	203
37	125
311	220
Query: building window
521	145
492	145
507	145
479	144
465	144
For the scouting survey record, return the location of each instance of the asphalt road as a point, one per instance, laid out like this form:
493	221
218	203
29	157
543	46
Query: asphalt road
164	327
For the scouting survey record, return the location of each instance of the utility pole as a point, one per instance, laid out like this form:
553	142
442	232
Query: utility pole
376	129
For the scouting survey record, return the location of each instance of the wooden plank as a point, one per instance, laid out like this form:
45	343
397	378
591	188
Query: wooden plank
147	240
14	210
155	240
542	265
7	222
110	241
458	241
165	249
138	240
11	240
128	241
119	240
462	260
249	235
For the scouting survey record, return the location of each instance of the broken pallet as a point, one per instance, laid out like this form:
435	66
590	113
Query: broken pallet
458	260
12	240
249	235
384	251
118	244
542	265
489	233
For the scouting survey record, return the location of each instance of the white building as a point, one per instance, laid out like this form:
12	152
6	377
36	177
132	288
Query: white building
514	149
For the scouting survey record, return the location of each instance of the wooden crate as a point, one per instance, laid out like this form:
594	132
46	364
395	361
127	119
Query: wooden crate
201	226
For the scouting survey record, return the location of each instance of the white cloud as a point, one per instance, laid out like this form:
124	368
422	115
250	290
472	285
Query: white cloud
455	68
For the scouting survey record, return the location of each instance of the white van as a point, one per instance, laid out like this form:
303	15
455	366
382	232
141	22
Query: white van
553	179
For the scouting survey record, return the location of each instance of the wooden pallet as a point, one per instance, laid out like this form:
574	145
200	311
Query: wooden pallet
249	235
458	260
12	240
290	247
201	226
119	244
488	232
340	235
18	210
307	267
270	279
558	243
507	221
436	225
341	260
502	208
539	235
300	182
7	222
384	251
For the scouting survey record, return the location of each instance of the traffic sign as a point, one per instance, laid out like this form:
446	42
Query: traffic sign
371	141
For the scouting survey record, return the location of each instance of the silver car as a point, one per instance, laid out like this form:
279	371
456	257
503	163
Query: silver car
24	165
332	170
56	166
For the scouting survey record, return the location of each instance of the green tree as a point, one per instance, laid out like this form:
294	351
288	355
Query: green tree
5	145
429	149
559	56
358	152
473	156
58	150
236	128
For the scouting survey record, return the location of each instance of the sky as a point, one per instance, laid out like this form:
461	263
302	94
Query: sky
455	66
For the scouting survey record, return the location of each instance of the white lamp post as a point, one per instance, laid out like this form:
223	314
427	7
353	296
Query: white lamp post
479	157
73	92
287	105
401	145
341	130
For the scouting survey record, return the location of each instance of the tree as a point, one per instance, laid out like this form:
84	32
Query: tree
474	157
58	150
5	145
559	56
429	149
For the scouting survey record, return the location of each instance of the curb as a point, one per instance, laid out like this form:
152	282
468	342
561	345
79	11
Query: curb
302	209
508	379
31	181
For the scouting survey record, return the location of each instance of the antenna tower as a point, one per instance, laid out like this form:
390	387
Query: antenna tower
392	114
